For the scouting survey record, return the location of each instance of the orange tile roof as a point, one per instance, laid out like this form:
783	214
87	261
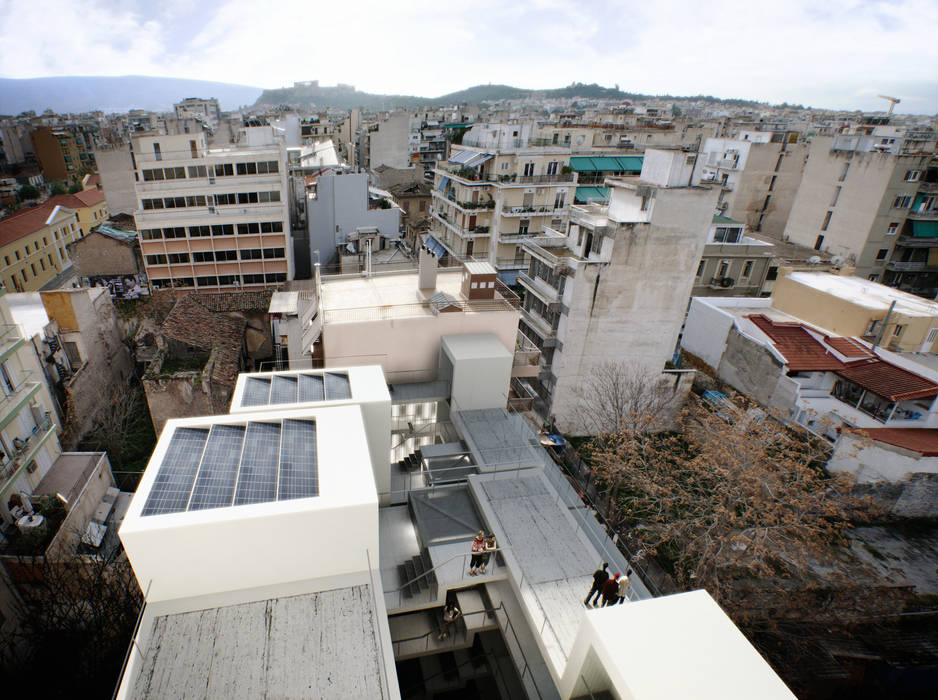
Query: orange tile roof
848	347
921	440
801	350
889	381
25	222
78	200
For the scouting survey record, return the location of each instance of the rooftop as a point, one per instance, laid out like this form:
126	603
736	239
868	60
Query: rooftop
78	200
921	440
192	323
870	295
30	219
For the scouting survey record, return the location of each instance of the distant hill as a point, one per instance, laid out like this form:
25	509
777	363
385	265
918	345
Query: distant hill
344	97
114	94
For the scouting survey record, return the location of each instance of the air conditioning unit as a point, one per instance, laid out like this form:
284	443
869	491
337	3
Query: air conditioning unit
211	210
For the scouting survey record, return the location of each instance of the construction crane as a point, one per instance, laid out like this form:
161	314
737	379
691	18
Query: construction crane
893	102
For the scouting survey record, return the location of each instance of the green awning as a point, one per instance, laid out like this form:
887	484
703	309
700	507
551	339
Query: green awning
720	219
920	229
606	164
585	195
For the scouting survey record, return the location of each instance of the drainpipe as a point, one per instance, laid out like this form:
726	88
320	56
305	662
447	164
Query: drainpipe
882	331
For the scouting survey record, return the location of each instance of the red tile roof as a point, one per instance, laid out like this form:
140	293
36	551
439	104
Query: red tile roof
805	353
889	381
25	222
78	200
192	323
921	440
801	350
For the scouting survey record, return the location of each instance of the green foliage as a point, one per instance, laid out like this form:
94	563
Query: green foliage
384	203
76	187
28	192
58	187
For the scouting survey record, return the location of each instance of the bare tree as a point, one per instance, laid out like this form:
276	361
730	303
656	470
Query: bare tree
619	396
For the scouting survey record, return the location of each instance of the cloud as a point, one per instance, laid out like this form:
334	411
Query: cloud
840	54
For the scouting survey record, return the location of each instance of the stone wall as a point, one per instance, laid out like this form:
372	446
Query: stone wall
749	368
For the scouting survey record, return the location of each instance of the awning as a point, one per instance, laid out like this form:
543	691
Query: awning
435	246
720	219
443	183
925	229
630	164
606	164
478	160
460	157
584	195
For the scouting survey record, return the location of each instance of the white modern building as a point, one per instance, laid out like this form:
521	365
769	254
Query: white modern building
213	218
273	564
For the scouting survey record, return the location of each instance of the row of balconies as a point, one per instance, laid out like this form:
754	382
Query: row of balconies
534	210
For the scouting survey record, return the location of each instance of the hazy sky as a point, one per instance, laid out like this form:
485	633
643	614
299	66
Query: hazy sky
826	53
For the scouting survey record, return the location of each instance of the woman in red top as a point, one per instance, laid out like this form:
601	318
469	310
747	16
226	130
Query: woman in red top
611	591
478	549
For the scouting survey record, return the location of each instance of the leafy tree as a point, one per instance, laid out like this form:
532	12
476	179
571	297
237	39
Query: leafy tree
28	192
57	187
75	187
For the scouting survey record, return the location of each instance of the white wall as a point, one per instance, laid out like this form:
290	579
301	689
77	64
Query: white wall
223	549
705	331
481	370
339	207
876	461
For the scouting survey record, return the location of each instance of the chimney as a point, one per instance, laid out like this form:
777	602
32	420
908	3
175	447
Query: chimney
426	269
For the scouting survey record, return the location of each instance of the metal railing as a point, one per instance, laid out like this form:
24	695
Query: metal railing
432	593
526	352
533	210
7	396
133	642
22	449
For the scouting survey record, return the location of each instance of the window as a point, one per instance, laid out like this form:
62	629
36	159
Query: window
197	171
723	269
882	253
42	263
193	149
247	169
827	220
273	253
701	268
903	201
747	269
897	331
156	260
222	169
33	266
726	234
250	254
203	256
891	229
843	173
223	230
559	200
873	278
178	257
17	254
228	279
524	225
6	260
207	281
912	175
253	279
552	167
271	227
837	190
225	255
249	228
772	182
275	277
156	152
199	231
819	242
528	169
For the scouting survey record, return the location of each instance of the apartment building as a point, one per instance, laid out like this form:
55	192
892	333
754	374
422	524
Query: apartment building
733	264
213	218
205	111
307	451
856	194
89	205
61	153
33	245
758	172
614	287
486	201
913	263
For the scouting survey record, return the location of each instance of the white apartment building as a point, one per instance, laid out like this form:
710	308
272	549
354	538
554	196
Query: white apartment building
615	286
486	201
213	218
205	111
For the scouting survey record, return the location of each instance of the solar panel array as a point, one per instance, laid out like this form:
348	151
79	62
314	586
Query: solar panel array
236	465
296	388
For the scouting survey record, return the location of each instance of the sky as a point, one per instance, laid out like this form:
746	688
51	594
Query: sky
836	54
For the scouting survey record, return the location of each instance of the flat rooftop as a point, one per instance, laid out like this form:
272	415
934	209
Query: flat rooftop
395	295
322	645
870	295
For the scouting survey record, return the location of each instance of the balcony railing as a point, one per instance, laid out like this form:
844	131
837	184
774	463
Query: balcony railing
541	288
526	352
23	386
23	450
510	263
534	210
892	265
9	333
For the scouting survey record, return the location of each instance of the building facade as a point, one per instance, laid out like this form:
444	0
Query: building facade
213	218
33	246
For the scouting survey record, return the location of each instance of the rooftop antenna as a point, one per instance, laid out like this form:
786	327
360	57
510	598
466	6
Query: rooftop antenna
893	102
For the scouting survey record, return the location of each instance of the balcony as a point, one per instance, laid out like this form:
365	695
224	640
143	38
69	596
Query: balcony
517	236
539	324
540	288
24	449
536	210
22	390
516	263
906	266
923	214
526	358
521	397
9	336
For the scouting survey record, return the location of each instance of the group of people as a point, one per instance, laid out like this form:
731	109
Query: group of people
482	548
614	589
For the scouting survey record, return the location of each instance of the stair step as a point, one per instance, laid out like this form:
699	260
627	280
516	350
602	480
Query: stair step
419	567
402	576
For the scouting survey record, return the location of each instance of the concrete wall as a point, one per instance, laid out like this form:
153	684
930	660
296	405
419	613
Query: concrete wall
750	368
705	332
115	166
631	310
408	349
339	207
765	162
390	144
97	254
81	512
876	461
184	394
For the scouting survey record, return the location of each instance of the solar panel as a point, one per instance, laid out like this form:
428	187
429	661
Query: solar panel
283	390
256	391
311	388
173	483
299	469
214	486
257	478
337	386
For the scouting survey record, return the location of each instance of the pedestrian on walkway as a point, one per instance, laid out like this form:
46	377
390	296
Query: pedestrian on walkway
625	584
611	591
451	613
490	546
600	576
477	550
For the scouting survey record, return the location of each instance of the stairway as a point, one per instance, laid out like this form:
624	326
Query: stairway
411	569
411	462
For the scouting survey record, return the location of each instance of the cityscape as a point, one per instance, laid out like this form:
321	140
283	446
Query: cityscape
612	389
